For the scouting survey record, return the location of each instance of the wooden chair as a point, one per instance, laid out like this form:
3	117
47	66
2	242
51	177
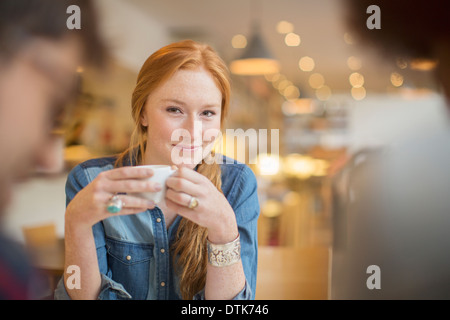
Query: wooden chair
41	235
47	252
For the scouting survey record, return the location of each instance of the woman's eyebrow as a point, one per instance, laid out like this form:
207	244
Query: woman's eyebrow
212	106
174	101
184	104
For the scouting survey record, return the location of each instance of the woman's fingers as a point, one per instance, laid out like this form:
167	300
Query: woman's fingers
180	198
131	205
132	186
191	175
184	211
127	180
179	184
125	173
189	182
135	202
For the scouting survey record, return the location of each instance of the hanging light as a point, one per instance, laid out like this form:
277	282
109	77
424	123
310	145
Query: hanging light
256	60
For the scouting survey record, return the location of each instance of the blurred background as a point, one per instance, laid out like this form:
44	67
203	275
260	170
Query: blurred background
328	96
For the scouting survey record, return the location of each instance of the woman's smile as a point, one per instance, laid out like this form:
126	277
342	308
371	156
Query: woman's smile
187	148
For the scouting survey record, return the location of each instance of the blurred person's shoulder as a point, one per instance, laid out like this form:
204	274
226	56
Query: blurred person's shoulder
419	155
16	271
425	155
399	205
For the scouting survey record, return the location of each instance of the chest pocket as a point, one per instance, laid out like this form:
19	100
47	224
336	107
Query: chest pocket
129	264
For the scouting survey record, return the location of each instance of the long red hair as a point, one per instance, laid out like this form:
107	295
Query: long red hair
189	250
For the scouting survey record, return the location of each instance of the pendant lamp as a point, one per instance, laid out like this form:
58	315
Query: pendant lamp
257	59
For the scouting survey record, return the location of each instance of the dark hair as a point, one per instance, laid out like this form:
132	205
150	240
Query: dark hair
22	20
409	28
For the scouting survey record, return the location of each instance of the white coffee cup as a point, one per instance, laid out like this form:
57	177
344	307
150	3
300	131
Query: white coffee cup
160	175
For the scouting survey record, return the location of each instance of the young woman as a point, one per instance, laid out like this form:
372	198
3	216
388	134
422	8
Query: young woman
201	243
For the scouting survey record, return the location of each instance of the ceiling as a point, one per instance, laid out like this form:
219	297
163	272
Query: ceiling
320	24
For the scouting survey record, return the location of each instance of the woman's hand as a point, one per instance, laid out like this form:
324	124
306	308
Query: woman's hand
89	205
213	211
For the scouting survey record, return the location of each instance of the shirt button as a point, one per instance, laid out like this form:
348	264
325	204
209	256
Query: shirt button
162	250
158	220
163	284
128	258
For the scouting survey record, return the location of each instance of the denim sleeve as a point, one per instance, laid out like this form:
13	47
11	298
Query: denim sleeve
109	289
243	199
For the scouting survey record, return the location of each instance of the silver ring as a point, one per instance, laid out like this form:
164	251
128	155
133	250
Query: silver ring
114	205
193	203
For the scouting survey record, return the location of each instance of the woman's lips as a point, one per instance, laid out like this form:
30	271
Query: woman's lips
187	148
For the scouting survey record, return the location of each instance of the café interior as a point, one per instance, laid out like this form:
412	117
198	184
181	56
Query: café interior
318	95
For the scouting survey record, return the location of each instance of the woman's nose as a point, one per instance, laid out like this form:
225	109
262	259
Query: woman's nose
195	129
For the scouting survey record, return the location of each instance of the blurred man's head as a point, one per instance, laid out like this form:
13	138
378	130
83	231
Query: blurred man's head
39	57
409	29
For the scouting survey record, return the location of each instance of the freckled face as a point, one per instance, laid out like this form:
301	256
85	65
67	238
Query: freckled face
182	117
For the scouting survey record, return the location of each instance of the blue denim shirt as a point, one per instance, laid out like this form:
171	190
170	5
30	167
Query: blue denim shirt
129	248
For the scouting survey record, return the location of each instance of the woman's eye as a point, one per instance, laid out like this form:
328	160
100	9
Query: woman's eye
173	110
209	113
